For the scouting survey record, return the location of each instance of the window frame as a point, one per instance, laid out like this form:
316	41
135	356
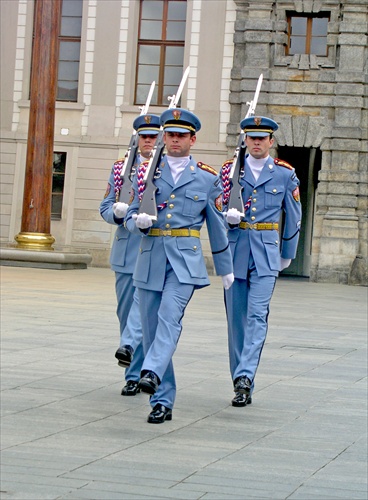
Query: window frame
308	37
70	39
163	43
60	39
56	216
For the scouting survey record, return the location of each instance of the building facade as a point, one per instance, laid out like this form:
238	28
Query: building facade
316	94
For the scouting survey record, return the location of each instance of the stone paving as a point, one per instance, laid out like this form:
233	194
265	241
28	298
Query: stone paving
66	432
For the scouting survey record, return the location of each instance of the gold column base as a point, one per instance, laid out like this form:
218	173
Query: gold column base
35	241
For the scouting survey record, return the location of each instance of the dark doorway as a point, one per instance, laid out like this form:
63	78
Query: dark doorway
307	163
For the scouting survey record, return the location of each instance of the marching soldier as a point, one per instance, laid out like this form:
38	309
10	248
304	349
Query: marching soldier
170	264
123	257
270	187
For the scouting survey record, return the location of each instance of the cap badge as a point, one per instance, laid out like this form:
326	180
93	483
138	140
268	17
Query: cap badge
148	119
257	120
176	114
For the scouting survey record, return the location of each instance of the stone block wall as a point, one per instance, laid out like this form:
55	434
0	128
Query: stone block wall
319	102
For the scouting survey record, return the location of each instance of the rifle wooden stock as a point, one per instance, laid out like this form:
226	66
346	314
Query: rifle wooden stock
125	175
148	204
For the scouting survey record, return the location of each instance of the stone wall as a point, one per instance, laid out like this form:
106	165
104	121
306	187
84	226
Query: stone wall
318	103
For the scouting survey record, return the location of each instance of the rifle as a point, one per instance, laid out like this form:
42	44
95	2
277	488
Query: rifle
131	154
235	198
148	203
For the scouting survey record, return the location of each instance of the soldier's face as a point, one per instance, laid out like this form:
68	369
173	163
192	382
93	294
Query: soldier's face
146	143
258	147
179	144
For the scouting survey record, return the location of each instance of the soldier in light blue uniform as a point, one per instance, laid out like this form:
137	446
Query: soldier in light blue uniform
170	264
270	188
123	258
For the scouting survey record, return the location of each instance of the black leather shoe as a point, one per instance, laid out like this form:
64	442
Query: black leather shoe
130	389
149	383
241	400
159	414
242	385
124	355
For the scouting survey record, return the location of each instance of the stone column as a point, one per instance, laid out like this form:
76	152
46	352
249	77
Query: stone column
36	214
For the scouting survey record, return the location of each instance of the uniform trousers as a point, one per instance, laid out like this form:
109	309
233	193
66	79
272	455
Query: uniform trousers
247	308
161	314
130	325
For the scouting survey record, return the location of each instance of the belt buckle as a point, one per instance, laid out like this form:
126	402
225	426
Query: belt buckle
166	232
254	226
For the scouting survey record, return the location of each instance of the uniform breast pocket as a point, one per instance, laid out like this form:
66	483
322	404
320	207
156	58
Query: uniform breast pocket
194	202
274	196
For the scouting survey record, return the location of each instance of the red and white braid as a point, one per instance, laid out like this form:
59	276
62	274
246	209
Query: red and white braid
118	167
226	186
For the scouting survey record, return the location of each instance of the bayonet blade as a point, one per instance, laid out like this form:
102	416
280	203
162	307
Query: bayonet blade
148	100
176	97
253	103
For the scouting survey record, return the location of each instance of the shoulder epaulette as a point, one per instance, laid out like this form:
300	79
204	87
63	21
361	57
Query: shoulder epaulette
207	168
228	163
282	163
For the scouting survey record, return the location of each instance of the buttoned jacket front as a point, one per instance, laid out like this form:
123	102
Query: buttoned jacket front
276	191
125	247
193	200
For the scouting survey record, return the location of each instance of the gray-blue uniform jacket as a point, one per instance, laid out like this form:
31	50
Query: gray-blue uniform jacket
195	198
125	247
256	242
123	257
275	191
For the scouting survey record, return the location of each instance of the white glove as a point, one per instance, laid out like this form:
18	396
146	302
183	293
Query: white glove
227	280
233	216
285	263
142	221
120	209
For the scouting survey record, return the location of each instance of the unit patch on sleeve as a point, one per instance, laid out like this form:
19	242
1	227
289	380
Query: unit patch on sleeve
296	194
108	189
131	197
218	203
